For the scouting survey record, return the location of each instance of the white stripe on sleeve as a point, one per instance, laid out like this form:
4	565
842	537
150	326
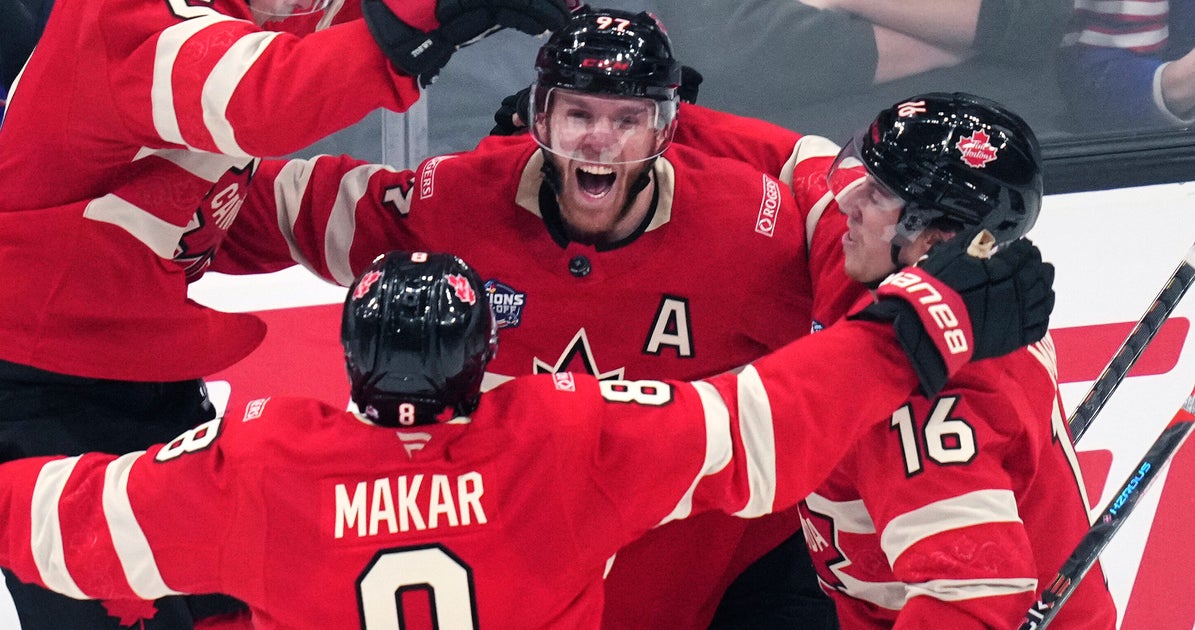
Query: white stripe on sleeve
966	510
162	89
718	447
206	166
132	548
342	223
289	187
223	81
160	236
1140	39
961	590
46	539
759	443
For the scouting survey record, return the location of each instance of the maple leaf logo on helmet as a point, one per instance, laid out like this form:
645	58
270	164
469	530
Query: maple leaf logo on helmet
460	286
977	149
367	281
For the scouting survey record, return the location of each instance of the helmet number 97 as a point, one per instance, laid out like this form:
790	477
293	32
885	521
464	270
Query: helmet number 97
605	22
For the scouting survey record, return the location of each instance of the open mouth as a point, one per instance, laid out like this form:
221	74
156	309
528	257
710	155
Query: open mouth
594	180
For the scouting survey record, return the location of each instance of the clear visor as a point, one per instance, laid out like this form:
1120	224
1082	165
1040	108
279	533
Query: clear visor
269	13
857	190
600	129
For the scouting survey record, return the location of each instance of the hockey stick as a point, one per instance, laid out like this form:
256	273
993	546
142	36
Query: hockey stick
1134	345
1110	520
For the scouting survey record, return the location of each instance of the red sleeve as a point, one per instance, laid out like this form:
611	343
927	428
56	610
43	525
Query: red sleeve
767	147
82	550
747	443
332	214
185	75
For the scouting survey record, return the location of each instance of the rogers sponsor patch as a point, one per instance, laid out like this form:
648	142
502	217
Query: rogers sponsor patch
427	177
769	208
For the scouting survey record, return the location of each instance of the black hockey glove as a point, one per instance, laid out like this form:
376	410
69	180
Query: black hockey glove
953	307
461	22
513	115
690	83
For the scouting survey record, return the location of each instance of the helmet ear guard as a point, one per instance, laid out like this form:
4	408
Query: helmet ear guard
417	333
957	160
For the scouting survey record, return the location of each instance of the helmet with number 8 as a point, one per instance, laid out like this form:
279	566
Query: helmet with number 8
417	333
956	160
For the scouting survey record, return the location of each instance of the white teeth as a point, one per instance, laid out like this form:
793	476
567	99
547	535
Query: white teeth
597	170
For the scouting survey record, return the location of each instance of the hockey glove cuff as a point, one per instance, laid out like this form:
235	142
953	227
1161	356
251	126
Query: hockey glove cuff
513	115
690	84
422	53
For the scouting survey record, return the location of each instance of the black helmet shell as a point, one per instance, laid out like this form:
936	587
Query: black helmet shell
417	333
957	160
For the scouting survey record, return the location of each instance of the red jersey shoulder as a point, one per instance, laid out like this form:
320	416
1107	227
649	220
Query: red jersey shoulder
279	428
492	171
745	204
1014	394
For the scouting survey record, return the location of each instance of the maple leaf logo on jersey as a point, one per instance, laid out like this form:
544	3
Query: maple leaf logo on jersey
208	226
461	287
821	540
977	149
578	350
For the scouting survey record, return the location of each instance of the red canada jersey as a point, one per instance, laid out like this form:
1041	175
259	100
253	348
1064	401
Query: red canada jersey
317	519
126	154
719	276
802	163
958	511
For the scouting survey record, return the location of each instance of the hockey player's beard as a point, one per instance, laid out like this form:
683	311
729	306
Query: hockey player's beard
554	179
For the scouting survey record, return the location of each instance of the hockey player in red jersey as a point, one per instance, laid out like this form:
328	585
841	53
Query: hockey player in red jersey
606	249
961	507
433	505
128	145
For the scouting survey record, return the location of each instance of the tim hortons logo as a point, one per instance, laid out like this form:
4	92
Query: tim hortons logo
940	312
977	149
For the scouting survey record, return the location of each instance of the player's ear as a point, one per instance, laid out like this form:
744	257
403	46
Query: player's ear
928	237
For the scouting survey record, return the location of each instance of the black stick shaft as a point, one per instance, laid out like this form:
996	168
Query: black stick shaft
1134	345
1097	538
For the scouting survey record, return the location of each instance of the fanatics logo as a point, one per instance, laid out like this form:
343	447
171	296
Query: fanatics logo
506	302
564	382
977	150
769	207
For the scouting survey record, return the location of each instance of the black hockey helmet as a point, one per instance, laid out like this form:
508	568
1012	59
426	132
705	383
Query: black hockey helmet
417	333
956	160
606	51
612	53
